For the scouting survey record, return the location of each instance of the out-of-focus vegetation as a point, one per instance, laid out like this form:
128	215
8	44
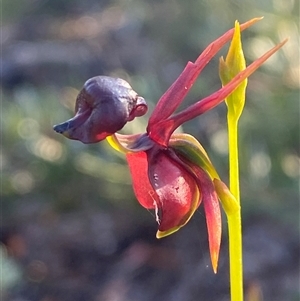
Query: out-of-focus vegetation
50	48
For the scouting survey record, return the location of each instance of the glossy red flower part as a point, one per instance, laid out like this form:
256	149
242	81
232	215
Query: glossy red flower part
161	179
171	173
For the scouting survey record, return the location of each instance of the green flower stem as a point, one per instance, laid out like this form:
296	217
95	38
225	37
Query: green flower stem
233	65
230	67
234	218
236	260
234	176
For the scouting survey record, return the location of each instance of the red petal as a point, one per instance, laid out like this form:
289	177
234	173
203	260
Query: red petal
162	130
173	97
177	190
138	166
212	214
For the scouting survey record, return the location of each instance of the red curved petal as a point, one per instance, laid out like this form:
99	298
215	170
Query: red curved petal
138	166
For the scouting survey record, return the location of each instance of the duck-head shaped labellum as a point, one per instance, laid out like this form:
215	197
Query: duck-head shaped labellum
103	107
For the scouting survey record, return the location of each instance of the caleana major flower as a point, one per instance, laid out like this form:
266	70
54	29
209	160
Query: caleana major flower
171	173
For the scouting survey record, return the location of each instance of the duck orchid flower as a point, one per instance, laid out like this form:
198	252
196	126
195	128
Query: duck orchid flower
171	173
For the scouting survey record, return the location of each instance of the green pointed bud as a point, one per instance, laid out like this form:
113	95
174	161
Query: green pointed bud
229	68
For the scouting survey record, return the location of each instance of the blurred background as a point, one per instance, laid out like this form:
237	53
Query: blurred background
71	227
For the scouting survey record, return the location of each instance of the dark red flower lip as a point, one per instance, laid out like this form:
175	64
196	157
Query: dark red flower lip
79	119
